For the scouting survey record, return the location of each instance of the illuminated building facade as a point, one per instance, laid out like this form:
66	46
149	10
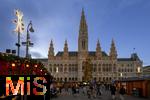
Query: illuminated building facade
67	66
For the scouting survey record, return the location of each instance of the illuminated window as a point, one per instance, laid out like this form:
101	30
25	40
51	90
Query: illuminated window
56	69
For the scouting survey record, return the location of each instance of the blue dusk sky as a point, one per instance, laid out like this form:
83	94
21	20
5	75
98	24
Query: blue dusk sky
126	21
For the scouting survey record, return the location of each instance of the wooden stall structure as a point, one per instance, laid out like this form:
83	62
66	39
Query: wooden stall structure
136	86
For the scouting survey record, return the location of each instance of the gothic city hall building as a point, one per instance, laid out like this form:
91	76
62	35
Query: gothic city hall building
85	65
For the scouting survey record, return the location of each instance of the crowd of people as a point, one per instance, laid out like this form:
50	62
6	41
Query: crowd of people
114	91
92	90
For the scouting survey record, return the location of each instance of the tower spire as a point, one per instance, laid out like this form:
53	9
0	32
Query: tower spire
51	50
83	24
83	35
66	46
82	11
98	50
113	52
65	50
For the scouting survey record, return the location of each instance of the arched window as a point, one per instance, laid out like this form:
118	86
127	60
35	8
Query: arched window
65	79
99	65
76	79
73	79
94	69
69	69
69	78
76	69
61	69
65	69
73	69
110	69
119	70
99	69
61	79
50	69
99	78
82	67
54	69
103	69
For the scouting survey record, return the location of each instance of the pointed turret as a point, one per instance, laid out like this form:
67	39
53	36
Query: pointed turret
83	36
113	52
51	50
98	50
83	25
65	54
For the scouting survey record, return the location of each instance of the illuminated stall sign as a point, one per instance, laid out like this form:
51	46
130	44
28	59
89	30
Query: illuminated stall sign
32	85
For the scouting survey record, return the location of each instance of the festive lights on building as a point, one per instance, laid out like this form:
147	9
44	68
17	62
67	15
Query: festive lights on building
14	65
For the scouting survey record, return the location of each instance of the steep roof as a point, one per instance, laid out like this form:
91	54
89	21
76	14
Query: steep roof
146	68
42	59
72	53
93	53
125	59
75	53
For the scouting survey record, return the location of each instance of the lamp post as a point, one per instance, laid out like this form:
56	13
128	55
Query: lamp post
121	79
28	42
29	28
19	27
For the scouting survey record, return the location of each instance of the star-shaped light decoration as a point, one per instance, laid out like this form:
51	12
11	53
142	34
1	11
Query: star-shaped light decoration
19	21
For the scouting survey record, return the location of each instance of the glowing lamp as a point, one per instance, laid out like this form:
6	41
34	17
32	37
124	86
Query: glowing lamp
27	65
121	74
13	64
35	65
56	69
138	69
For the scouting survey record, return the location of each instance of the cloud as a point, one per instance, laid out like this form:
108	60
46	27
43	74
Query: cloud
36	54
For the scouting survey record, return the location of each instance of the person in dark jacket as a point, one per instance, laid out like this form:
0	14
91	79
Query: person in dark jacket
121	92
113	91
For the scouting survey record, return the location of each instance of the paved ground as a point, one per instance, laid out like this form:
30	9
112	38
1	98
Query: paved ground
68	96
105	96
